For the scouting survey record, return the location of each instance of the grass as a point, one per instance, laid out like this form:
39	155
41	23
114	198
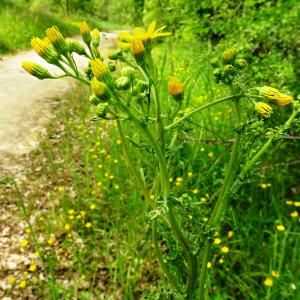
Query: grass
19	24
92	225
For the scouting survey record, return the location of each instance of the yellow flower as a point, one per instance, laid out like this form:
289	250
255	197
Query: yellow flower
56	39
44	49
276	96
92	206
221	260
190	174
202	199
50	242
99	68
297	203
11	279
195	191
24	243
36	70
99	89
210	154
88	225
280	228
268	281
294	214
230	234
225	249
275	273
175	88
32	268
209	265
71	211
85	32
263	109
125	38
67	227
217	241
137	47
229	55
22	284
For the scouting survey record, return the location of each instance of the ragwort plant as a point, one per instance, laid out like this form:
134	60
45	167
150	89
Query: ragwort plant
125	89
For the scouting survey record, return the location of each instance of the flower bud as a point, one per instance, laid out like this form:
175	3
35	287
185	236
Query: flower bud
112	66
214	62
36	70
94	100
229	55
269	92
102	110
138	50
241	63
263	109
142	86
229	70
176	88
115	54
44	49
276	96
75	46
128	72
101	70
123	83
100	89
85	32
56	39
95	38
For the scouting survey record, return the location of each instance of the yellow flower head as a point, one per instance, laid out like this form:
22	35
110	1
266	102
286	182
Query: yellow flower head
99	68
85	32
125	38
280	228
99	89
36	70
137	47
229	55
263	109
44	49
268	282
175	88
56	39
276	96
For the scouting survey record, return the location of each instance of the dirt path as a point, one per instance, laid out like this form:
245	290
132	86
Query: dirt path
25	103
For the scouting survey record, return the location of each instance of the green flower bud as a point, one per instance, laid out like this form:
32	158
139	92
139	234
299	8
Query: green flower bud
112	66
75	46
141	86
229	70
95	38
36	70
115	54
123	83
102	110
85	32
241	63
229	55
94	100
128	72
214	62
217	72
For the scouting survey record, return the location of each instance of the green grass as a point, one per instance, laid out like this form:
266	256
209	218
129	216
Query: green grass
18	25
80	164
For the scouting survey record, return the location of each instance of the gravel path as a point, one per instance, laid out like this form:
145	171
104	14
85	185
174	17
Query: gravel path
24	103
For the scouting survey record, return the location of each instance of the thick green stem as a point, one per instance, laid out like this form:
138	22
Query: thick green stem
188	115
219	206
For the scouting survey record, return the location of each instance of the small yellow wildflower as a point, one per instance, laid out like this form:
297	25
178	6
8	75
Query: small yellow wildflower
118	142
288	202
116	186
60	189
36	70
24	243
195	191
83	213
11	279
263	185
71	211
268	281
32	268
99	183
175	88
297	204
280	227
67	227
209	265
210	154
152	197
116	161
100	90
137	47
276	96
36	253
230	234
229	55
22	284
224	249
88	225
190	174
264	109
205	219
50	242
85	32
221	260
71	217
203	199
56	39
275	273
217	241
27	230
294	214
99	68
92	206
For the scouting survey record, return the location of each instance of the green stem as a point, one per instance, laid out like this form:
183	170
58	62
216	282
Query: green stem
218	209
131	164
188	115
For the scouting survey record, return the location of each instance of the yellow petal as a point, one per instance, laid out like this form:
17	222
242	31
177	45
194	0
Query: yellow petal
124	45
151	27
138	30
160	29
125	36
